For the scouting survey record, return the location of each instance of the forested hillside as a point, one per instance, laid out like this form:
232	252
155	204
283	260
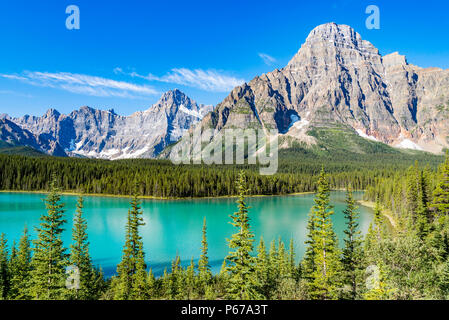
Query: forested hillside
298	172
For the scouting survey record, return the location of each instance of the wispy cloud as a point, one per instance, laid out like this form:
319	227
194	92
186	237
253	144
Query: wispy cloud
267	59
83	84
208	80
15	93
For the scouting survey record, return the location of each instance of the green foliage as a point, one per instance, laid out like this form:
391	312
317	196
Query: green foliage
352	259
50	258
21	269
80	256
131	272
324	278
441	193
4	272
240	263
204	272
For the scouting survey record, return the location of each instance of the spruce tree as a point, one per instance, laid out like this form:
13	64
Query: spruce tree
204	272
49	261
324	282
4	272
240	263
265	285
308	264
441	194
292	270
352	252
20	280
80	256
140	289
132	265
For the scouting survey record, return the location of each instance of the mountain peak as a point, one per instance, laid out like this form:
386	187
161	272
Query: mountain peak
52	113
174	97
334	42
337	34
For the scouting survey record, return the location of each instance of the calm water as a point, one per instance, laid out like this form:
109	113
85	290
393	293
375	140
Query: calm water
173	227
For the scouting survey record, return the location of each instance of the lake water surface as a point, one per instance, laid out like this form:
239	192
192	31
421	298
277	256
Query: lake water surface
173	227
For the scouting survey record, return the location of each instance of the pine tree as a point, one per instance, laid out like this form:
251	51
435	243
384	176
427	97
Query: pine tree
352	252
308	263
20	280
422	210
190	283
444	281
4	272
265	285
49	261
80	257
204	272
325	278
292	271
240	263
140	289
441	194
133	255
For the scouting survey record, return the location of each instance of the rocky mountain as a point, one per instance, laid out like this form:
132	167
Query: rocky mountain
337	79
13	135
88	132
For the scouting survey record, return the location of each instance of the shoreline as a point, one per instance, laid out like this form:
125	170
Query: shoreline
385	212
72	193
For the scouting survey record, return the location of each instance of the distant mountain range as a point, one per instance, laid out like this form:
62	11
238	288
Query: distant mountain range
95	133
336	81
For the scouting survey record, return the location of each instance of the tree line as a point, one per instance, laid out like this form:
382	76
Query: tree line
159	178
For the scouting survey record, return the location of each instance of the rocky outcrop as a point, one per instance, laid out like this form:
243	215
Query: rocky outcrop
14	135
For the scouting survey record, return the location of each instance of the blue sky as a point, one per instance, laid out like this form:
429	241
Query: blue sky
127	53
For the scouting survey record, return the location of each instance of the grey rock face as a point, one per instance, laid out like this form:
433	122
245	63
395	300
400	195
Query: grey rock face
16	136
95	133
338	78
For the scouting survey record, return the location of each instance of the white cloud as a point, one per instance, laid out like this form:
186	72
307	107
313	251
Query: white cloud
208	80
83	84
267	59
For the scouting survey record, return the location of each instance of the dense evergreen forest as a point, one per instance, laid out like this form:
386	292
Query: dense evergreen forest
298	172
406	258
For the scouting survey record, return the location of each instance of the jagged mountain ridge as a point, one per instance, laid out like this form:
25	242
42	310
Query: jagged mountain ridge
337	78
88	132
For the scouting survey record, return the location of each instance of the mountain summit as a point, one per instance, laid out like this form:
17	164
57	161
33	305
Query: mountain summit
337	79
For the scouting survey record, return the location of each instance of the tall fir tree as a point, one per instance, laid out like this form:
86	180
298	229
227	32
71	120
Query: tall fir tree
440	202
80	256
204	271
20	280
50	259
325	278
352	252
265	285
240	263
132	265
4	268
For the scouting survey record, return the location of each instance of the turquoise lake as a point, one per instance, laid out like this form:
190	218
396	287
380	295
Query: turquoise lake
173	227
